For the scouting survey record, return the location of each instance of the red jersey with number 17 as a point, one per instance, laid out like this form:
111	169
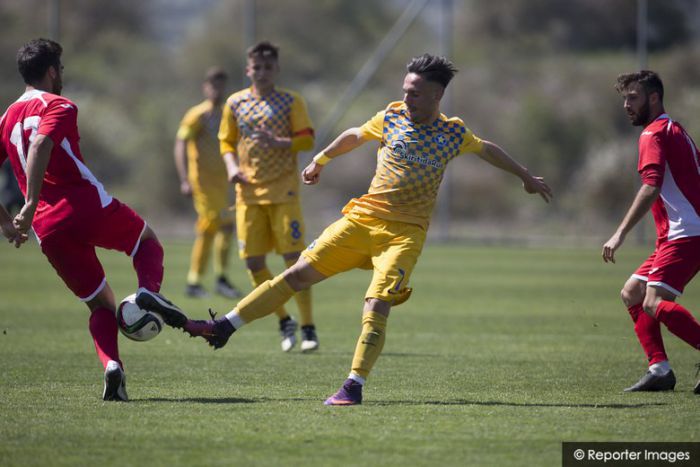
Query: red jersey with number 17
70	193
668	158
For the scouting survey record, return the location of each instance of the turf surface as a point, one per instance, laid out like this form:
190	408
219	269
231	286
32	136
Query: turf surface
500	355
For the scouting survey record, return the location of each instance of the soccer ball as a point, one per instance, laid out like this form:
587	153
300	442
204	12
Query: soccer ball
135	323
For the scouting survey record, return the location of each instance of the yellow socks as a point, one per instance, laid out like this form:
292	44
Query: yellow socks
264	300
200	257
259	277
370	343
303	299
222	247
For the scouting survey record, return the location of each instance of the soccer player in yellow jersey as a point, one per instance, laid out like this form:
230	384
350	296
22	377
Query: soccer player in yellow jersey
383	230
203	176
262	129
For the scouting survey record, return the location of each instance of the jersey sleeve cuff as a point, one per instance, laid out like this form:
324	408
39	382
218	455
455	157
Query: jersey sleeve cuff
321	159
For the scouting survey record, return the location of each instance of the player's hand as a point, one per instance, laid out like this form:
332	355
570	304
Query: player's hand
537	185
311	173
23	221
264	138
611	245
185	188
13	235
238	177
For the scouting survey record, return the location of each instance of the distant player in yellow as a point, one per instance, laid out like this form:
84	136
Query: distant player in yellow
203	176
383	230
262	129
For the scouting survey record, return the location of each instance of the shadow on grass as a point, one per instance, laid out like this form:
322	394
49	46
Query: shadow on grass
200	400
521	404
262	400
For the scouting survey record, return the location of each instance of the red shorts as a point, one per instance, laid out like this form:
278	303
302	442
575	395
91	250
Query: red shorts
672	265
71	249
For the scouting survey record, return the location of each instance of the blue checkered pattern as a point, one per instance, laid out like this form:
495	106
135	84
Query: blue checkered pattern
413	158
272	113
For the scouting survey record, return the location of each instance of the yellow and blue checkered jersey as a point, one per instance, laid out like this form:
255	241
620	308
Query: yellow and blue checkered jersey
272	172
199	128
411	162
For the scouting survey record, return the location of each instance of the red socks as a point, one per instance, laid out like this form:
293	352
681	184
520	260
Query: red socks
103	327
648	332
680	322
148	262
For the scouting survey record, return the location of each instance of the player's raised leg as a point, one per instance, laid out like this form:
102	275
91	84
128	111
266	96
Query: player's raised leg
148	263
262	301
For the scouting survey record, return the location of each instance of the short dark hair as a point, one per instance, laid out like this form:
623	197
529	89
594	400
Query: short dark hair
433	68
649	80
36	56
264	49
215	73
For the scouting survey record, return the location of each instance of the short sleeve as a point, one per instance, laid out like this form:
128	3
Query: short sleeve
59	120
190	125
299	115
471	143
650	151
374	127
228	131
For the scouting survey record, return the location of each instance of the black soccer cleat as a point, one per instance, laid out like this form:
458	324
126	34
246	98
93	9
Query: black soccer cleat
227	289
696	389
157	303
651	382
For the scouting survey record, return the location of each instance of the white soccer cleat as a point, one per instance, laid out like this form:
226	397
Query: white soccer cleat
288	328
115	383
309	339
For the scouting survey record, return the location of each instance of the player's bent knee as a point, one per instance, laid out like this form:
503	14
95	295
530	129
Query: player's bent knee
302	276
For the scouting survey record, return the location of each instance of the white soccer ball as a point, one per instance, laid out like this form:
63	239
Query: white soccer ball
135	323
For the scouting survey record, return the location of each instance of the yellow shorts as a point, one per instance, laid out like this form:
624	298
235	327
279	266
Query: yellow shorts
262	227
390	248
212	207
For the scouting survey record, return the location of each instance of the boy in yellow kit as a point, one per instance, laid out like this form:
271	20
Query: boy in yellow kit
262	129
383	230
202	176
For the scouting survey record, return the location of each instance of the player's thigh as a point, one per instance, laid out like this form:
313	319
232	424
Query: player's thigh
253	230
118	227
342	246
675	264
76	262
396	249
212	210
287	227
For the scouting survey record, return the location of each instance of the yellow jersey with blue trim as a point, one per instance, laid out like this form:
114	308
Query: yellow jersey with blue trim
411	162
272	172
199	128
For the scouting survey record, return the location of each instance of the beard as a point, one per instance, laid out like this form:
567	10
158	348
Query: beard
641	118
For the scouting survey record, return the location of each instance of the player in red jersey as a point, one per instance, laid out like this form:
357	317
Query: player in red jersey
69	209
669	165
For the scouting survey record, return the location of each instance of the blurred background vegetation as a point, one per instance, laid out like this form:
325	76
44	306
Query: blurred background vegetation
536	76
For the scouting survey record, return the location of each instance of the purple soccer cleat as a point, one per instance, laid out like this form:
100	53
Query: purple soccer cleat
349	394
215	331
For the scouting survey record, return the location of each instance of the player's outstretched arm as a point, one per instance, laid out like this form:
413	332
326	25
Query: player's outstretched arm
496	156
37	161
347	141
645	198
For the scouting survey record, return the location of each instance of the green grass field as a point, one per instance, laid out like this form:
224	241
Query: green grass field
500	355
